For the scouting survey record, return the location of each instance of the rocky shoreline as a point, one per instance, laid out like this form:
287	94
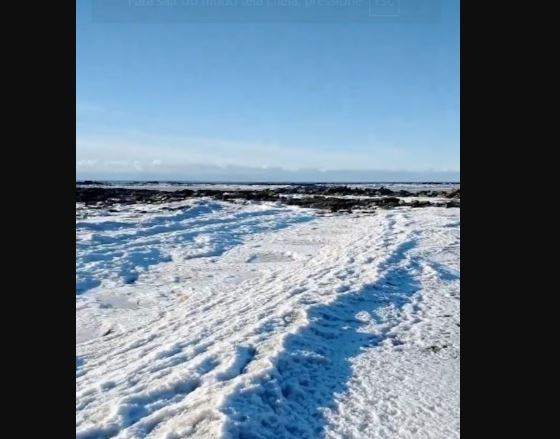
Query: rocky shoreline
332	198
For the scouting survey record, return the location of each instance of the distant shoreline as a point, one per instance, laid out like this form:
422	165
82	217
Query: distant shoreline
325	197
257	183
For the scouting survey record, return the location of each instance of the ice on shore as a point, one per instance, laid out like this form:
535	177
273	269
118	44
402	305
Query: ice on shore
208	319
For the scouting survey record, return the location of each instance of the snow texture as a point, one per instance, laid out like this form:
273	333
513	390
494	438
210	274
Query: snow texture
204	319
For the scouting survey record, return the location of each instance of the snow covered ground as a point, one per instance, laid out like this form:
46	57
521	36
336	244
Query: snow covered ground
205	319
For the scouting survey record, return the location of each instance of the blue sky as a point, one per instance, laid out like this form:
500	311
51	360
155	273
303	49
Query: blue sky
267	101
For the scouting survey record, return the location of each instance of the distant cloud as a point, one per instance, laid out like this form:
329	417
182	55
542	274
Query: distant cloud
134	170
85	163
140	156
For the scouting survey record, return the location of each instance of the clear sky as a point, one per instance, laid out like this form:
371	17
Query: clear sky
196	101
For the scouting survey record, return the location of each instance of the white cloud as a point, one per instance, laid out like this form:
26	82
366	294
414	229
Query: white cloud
217	152
86	163
168	157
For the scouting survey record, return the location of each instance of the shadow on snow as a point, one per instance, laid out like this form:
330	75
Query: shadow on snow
314	365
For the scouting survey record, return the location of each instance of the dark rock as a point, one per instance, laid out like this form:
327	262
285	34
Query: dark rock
453	203
384	191
89	182
329	198
419	203
436	349
454	194
387	202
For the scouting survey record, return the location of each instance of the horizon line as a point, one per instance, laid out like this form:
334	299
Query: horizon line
263	182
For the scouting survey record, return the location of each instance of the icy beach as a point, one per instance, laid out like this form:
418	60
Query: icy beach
204	318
